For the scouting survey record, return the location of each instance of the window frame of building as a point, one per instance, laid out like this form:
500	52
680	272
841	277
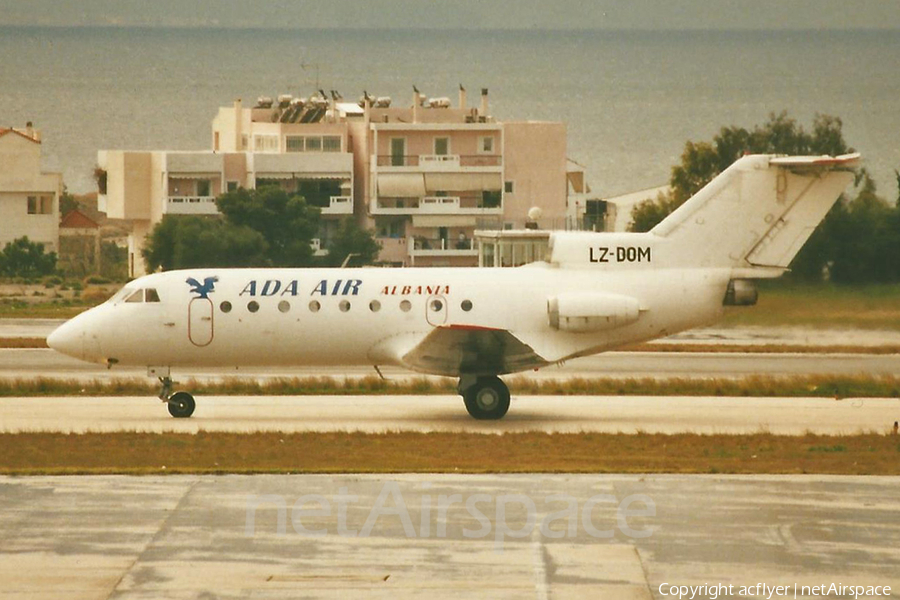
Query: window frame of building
294	143
41	204
509	186
232	185
313	143
437	140
204	188
481	144
397	160
265	143
332	143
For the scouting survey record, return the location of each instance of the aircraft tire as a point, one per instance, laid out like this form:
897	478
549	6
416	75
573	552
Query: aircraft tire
181	405
487	399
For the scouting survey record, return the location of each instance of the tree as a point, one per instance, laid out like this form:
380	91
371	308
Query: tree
287	223
864	242
179	242
648	213
258	228
349	239
67	203
24	258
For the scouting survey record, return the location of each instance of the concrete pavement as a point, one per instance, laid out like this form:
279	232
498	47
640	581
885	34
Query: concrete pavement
444	536
378	414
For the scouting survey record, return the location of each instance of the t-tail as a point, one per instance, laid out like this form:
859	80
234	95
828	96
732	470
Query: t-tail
757	214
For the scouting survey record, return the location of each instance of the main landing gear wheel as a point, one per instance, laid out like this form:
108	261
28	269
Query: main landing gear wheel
181	405
487	398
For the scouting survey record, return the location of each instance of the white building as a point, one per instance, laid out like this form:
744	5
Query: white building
424	177
29	196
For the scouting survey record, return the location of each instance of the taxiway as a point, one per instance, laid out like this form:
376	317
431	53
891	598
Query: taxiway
378	414
497	537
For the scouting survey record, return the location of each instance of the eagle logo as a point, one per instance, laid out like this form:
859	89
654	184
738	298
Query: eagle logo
202	289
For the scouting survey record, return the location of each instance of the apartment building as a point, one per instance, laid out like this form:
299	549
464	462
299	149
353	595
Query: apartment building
29	196
424	177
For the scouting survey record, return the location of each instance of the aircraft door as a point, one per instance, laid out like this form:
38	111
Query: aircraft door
436	310
200	321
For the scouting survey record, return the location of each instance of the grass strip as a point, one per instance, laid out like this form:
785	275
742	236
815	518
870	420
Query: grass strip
16	342
799	386
408	452
763	348
824	305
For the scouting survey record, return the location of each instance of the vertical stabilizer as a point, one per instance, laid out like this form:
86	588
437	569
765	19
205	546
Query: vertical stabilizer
757	213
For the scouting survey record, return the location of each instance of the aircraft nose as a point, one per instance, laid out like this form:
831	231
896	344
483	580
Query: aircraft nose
68	338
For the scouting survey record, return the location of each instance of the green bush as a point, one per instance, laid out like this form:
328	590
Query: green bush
26	259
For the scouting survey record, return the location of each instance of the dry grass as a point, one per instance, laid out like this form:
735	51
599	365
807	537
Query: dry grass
16	342
800	386
145	453
763	348
871	306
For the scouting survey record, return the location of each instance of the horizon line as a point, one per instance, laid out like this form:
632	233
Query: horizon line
455	29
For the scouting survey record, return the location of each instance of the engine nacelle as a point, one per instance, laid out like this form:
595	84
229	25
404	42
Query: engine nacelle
740	292
583	312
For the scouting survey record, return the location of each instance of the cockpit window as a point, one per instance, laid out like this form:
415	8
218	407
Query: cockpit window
151	295
137	296
123	293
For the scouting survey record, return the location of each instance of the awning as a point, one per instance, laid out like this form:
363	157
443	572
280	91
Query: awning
463	182
401	185
443	221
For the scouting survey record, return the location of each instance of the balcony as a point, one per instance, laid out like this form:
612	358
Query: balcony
422	246
440	162
191	205
470	205
439	205
339	205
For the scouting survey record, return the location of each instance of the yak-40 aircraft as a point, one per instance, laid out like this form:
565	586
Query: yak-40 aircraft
594	292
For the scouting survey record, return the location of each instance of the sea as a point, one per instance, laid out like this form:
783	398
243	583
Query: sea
630	99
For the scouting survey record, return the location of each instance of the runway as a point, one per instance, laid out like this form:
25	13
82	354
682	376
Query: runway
379	414
444	536
48	363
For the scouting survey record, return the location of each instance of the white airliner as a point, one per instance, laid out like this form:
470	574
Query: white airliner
596	291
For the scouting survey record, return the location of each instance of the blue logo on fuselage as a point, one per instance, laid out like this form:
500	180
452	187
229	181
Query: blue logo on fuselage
202	289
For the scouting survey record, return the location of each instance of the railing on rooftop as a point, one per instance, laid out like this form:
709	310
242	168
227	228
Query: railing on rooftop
440	160
191	205
419	245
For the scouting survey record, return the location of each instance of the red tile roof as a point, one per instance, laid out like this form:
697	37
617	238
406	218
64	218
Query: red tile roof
75	219
4	131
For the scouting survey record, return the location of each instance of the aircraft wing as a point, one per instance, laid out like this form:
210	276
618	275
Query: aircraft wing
463	349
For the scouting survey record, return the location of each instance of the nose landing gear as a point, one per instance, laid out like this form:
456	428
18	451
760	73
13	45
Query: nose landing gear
180	404
486	397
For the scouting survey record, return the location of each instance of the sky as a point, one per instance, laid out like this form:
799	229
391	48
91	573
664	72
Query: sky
459	14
